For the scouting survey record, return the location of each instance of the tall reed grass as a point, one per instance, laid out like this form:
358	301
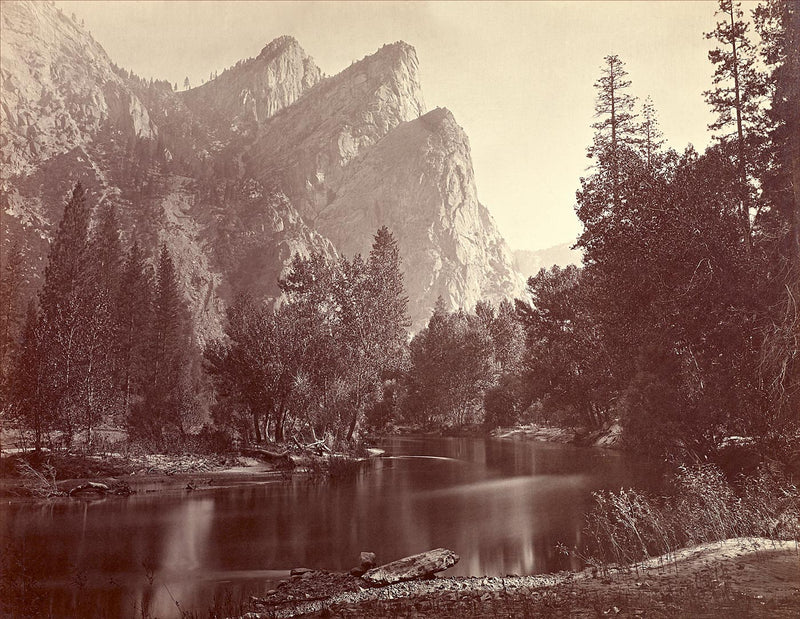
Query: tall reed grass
703	506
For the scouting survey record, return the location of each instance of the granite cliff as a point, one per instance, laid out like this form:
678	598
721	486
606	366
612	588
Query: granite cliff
267	159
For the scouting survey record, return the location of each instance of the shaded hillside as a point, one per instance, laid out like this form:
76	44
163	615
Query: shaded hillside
267	159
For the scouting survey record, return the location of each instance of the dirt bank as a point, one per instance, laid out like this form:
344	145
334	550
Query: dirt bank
610	438
735	578
145	473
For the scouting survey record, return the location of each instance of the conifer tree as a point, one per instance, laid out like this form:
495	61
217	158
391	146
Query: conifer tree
737	96
134	309
375	320
170	402
105	271
30	407
617	127
651	137
66	318
11	316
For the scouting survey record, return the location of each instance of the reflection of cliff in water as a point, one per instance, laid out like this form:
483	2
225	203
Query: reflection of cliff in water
501	505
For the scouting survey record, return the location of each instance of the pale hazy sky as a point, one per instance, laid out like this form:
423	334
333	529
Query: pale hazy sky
517	76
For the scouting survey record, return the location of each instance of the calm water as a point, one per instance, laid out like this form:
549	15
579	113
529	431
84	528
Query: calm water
501	505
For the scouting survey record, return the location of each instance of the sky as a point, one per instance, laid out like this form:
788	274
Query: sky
518	76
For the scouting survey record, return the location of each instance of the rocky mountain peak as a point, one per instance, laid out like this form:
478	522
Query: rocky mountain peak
278	46
256	89
305	148
59	88
393	67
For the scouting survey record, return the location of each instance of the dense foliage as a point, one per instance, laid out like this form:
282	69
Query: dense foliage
682	323
683	320
108	342
322	360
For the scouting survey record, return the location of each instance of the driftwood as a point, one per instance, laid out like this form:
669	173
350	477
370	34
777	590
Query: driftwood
319	445
423	565
90	486
272	456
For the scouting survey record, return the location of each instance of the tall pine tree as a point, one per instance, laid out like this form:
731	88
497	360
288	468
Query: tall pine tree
737	97
170	404
134	311
67	346
11	316
616	128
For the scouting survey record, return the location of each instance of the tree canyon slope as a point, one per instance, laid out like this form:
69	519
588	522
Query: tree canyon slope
267	159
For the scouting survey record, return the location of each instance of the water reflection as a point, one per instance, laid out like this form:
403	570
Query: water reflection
502	505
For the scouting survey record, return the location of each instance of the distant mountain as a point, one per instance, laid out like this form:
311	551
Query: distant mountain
529	262
267	159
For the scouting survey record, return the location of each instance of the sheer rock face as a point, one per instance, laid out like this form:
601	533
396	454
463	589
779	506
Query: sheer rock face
258	88
305	147
58	88
266	160
419	182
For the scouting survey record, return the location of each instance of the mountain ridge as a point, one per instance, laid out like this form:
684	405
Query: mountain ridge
238	174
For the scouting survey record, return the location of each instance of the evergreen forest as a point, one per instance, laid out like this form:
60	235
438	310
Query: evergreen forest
681	326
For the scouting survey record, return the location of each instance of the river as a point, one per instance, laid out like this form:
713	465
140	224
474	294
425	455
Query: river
502	505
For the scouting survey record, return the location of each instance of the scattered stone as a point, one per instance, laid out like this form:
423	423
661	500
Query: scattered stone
423	565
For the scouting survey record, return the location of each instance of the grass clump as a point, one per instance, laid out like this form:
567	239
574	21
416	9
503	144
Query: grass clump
629	526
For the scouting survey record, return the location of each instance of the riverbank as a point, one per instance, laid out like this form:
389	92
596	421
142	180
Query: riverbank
609	438
751	577
43	475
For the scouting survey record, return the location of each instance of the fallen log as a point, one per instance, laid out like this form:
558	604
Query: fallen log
270	456
423	565
90	486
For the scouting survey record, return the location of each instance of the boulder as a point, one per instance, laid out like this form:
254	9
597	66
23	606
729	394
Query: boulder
423	565
299	571
367	560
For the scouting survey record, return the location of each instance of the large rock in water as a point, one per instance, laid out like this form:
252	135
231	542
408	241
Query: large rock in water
423	565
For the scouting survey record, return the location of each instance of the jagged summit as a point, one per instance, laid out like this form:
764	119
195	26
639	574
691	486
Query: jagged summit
277	46
235	176
307	145
256	89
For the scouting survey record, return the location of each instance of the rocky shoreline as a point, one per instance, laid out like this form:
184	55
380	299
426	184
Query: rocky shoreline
739	577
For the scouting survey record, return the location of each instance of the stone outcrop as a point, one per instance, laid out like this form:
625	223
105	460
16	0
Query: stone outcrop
423	565
59	88
256	89
419	181
268	159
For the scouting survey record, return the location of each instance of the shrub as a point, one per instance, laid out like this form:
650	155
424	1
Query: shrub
628	526
210	440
